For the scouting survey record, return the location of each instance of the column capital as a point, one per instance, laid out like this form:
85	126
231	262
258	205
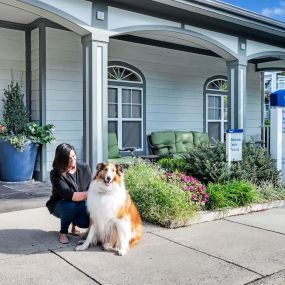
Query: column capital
238	62
96	35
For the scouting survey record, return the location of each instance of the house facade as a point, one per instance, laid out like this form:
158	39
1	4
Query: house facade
133	67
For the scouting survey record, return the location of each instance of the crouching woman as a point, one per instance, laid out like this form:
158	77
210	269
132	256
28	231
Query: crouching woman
70	181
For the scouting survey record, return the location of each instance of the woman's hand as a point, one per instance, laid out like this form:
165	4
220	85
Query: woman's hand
79	196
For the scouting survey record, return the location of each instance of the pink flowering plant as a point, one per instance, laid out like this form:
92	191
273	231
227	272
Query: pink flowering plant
197	191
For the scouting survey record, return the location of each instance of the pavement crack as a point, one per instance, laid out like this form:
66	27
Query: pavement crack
77	268
209	254
260	278
255	227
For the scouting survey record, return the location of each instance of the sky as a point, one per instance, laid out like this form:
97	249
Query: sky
271	8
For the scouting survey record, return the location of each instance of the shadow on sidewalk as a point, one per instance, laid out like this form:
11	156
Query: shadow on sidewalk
27	241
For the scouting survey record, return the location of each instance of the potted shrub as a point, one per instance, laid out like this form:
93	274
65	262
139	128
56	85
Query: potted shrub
19	138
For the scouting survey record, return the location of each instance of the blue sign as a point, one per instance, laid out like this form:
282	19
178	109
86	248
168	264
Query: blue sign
277	98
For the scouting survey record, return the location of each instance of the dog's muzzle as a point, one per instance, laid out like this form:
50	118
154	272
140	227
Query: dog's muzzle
108	180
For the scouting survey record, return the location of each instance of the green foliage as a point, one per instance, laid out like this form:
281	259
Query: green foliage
158	201
172	164
208	163
267	191
257	166
16	127
15	115
38	134
231	194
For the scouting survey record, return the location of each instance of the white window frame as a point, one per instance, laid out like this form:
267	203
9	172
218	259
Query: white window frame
222	121
120	119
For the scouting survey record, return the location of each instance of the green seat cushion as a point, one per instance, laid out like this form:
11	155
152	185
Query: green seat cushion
121	160
113	149
163	138
200	138
184	141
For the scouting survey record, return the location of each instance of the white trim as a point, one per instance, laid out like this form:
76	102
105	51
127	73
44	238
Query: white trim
120	118
222	121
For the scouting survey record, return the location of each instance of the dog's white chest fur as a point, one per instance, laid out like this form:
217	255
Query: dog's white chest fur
103	204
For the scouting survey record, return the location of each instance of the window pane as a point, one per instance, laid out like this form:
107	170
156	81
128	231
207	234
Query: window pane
112	127
211	114
217	114
217	102
225	107
126	96
131	136
136	112
211	101
127	111
214	130
112	110
136	97
112	95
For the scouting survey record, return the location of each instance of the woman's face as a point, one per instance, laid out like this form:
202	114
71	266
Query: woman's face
72	160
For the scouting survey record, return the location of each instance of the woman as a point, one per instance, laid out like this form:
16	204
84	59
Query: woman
70	181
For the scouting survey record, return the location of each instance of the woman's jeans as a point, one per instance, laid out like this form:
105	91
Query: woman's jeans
71	212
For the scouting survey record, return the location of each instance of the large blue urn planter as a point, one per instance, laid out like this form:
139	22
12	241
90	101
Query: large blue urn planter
17	165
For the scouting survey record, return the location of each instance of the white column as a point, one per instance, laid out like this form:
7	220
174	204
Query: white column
236	94
95	65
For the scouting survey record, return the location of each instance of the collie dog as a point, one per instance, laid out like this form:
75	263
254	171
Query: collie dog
114	219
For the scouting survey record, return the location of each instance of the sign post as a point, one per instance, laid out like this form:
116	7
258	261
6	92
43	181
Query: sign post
234	145
277	129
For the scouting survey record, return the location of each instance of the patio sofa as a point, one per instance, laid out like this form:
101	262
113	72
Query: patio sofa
114	153
175	143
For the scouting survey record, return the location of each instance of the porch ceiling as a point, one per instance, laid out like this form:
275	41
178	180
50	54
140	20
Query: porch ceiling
169	37
16	15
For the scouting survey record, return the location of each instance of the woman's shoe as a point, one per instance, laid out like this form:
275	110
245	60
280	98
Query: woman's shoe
62	238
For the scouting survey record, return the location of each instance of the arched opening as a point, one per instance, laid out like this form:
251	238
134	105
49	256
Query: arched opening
126	105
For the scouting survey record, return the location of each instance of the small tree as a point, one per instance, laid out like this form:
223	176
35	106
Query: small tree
15	114
17	128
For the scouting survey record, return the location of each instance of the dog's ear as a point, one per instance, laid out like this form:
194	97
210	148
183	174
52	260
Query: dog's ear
119	169
100	165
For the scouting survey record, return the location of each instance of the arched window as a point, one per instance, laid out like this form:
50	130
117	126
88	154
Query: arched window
216	107
123	74
126	105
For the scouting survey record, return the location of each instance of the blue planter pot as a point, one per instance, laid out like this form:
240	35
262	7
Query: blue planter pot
17	165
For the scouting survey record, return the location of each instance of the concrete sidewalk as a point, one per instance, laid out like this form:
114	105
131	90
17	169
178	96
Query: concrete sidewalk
247	249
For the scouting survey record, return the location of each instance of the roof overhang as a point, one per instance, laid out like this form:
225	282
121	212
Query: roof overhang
212	15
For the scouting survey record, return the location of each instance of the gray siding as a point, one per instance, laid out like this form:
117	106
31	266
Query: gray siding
174	83
64	91
12	59
174	86
253	112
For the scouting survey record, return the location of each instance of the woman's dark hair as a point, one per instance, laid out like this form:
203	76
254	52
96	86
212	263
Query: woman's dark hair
61	158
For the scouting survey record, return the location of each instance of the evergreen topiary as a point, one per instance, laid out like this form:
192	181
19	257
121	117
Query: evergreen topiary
15	114
17	128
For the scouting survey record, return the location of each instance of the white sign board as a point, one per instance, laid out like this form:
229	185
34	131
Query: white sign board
234	145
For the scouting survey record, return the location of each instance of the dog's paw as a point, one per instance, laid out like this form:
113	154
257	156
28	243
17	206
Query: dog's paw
106	246
81	241
81	247
122	251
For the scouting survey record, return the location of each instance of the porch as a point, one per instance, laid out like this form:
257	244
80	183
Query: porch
129	79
